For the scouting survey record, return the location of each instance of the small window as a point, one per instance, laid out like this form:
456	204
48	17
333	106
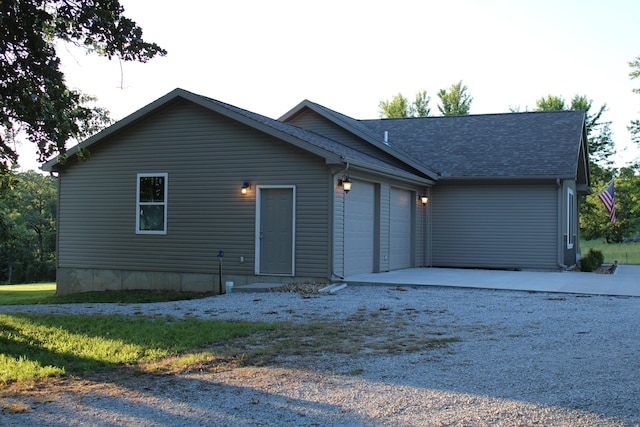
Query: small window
571	213
151	217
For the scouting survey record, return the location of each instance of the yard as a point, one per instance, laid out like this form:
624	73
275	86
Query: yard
367	355
621	253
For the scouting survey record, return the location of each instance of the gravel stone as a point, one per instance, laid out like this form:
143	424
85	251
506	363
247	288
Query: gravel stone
520	358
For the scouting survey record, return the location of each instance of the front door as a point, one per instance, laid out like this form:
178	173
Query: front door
275	230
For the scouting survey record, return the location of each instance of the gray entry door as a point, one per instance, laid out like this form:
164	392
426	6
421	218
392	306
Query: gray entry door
276	231
400	229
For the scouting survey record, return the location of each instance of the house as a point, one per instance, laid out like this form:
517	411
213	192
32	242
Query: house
190	192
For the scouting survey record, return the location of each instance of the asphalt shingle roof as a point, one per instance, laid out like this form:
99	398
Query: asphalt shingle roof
493	145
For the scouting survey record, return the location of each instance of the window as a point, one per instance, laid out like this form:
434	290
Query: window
570	218
151	203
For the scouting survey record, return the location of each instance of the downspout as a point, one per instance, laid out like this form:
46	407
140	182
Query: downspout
59	191
559	217
333	180
430	227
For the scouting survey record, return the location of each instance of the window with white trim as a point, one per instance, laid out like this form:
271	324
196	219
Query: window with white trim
151	203
571	212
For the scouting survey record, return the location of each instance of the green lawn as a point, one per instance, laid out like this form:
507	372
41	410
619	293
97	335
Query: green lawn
26	294
37	346
44	293
622	253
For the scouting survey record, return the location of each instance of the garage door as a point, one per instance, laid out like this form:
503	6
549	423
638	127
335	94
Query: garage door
400	229
359	229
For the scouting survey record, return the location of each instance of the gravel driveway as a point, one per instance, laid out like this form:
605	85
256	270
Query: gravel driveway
511	358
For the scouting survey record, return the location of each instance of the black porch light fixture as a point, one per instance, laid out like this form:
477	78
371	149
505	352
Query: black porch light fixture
245	188
345	183
424	199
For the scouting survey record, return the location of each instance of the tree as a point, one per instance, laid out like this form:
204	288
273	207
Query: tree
420	107
634	128
456	101
34	98
594	218
400	107
550	103
397	108
27	251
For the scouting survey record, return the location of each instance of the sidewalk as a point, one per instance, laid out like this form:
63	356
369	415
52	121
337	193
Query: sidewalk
624	282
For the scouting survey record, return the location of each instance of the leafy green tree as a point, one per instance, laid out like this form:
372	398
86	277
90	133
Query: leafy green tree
420	107
34	98
400	107
634	128
456	101
594	217
397	108
550	103
29	219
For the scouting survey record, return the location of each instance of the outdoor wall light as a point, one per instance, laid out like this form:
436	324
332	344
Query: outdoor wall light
345	183
245	187
424	199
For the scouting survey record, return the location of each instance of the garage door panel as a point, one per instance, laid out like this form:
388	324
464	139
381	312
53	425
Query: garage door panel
359	229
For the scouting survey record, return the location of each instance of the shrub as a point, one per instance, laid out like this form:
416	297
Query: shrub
592	260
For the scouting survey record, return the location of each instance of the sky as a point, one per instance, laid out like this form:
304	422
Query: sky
348	55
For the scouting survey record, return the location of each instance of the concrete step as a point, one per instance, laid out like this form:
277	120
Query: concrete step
256	287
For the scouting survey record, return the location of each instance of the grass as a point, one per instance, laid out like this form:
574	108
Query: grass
622	253
35	346
38	346
26	294
44	293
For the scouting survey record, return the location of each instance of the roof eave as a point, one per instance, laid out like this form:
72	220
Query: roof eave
402	176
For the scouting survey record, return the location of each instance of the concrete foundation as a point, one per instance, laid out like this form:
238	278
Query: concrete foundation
76	280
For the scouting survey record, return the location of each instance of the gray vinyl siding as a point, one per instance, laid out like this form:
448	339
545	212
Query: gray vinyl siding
488	225
207	158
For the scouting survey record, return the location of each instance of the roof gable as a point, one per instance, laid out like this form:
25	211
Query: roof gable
357	128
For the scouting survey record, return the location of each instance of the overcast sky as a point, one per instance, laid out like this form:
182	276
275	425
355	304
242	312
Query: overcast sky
267	56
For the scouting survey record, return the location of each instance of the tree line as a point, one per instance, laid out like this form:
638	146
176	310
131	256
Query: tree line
28	228
594	219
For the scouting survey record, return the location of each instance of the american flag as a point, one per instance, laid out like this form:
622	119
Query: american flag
609	202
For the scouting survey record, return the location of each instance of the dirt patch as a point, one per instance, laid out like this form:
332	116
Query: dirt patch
302	288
